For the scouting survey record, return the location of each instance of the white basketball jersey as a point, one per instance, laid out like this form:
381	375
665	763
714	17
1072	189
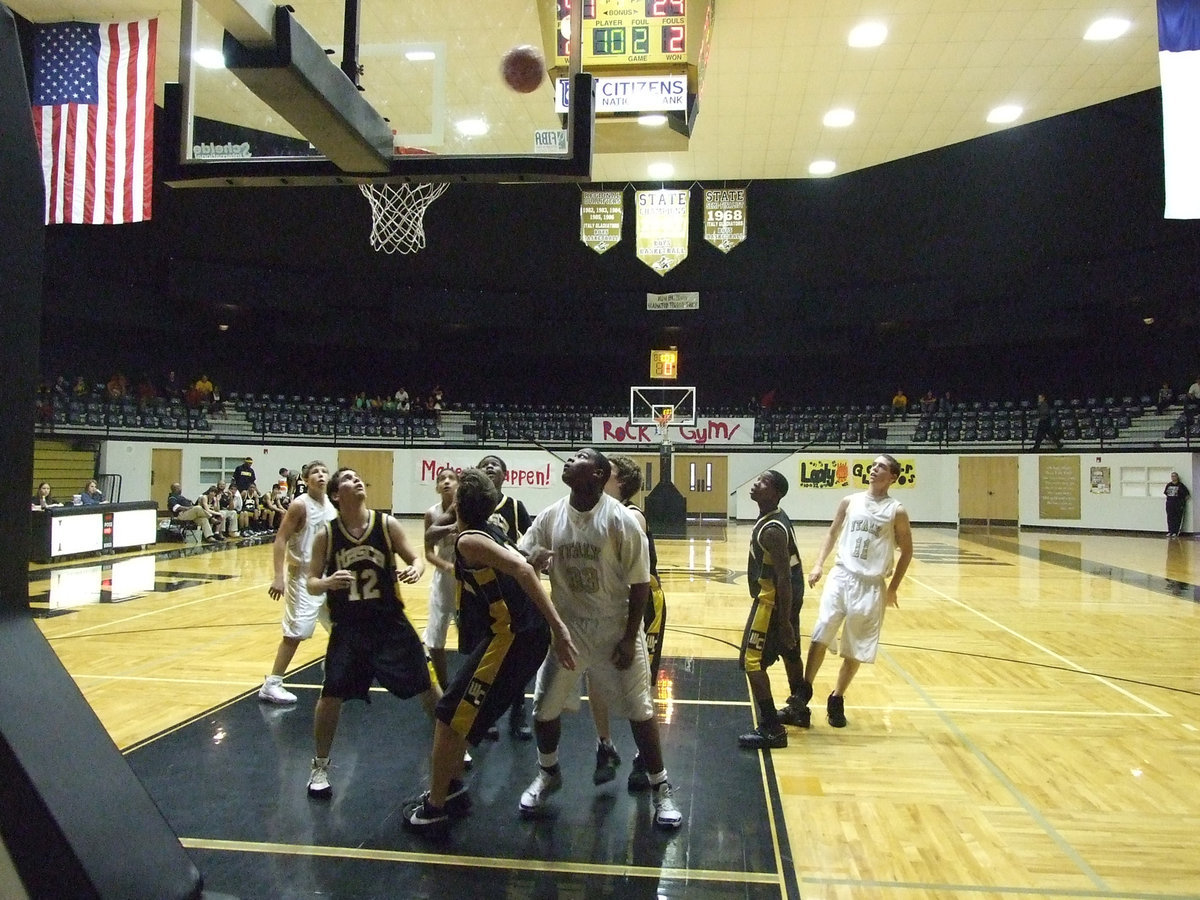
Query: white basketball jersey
867	544
316	515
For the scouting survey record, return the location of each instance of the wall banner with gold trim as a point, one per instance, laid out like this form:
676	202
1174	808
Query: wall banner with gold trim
725	217
662	228
601	216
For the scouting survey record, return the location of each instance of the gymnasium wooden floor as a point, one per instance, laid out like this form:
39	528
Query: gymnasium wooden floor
1030	729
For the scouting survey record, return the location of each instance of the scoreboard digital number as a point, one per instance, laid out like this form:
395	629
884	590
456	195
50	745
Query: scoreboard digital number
664	363
627	32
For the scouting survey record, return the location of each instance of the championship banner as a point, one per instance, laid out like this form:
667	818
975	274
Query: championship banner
662	228
843	473
725	217
1179	72
600	219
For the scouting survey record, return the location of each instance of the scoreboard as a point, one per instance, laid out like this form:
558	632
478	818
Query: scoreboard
657	33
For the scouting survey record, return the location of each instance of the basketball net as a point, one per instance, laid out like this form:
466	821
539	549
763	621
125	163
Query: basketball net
398	214
661	423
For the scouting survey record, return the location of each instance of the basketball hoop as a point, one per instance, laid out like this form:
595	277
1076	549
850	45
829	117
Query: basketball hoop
398	211
662	422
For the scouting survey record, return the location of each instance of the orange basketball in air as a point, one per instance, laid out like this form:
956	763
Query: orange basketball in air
523	68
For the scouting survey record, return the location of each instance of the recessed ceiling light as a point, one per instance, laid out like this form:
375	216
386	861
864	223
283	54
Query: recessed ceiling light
1002	115
868	34
821	167
420	55
660	170
652	120
838	118
471	127
223	327
209	58
1149	320
1106	29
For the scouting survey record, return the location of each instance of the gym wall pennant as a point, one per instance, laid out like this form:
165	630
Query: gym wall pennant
725	217
662	228
600	219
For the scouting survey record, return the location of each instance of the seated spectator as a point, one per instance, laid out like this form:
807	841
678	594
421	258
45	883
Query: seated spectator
91	495
1165	398
402	400
900	404
117	387
275	505
42	499
172	388
249	519
186	511
203	388
229	501
80	389
929	404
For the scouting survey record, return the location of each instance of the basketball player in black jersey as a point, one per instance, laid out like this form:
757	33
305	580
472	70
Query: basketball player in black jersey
624	483
511	517
504	606
354	564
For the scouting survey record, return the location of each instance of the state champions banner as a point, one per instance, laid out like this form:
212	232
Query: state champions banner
662	228
725	217
601	217
850	473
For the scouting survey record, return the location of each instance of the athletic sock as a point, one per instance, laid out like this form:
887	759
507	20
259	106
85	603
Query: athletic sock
548	760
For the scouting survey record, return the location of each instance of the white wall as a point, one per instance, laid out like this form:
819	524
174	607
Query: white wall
535	479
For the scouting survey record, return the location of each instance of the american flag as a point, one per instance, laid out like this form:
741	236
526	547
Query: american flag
93	113
1179	67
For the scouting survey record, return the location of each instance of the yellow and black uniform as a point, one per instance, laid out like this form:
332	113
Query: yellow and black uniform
511	517
511	639
760	643
371	637
655	618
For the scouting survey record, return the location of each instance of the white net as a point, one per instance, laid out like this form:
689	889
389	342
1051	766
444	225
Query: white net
398	214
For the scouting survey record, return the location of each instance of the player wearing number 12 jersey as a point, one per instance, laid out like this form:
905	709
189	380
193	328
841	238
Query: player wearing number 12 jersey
868	527
354	565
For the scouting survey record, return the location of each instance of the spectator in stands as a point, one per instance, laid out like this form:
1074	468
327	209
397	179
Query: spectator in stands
42	499
1177	495
91	494
80	388
171	388
186	511
117	387
929	404
1191	401
203	388
243	476
1047	425
900	404
229	501
1165	398
402	400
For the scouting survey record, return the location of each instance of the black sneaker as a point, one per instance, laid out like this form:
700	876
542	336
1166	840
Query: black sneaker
800	716
518	724
835	708
639	778
458	799
802	698
607	760
762	739
419	816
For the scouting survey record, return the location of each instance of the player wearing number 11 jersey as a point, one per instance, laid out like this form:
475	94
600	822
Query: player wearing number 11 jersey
371	639
868	528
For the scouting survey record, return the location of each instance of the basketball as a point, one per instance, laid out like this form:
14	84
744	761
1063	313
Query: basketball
523	68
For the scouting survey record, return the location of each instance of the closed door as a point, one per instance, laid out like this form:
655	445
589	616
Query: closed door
703	479
166	467
374	467
987	490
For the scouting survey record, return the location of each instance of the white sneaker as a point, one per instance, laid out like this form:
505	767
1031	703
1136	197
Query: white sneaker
318	780
546	783
272	691
666	813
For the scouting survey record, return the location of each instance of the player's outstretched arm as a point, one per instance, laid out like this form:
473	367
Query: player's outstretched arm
831	536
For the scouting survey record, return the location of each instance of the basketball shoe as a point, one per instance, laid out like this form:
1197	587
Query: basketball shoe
546	783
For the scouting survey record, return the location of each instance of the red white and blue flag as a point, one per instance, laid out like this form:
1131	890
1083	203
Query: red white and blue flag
1179	67
93	114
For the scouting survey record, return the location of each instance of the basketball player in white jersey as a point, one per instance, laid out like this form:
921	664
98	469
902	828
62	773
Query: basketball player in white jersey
868	528
443	590
305	518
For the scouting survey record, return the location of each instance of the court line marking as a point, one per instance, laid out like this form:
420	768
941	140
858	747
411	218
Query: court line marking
1066	661
147	613
1006	889
482	862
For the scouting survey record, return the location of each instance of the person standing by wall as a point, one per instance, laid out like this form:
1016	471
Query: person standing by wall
1177	494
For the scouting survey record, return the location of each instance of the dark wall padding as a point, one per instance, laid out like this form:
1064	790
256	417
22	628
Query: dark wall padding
75	820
